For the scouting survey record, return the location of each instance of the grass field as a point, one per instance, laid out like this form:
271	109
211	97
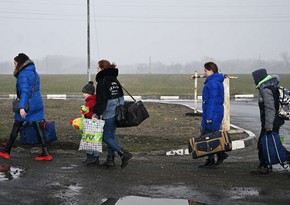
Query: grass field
149	84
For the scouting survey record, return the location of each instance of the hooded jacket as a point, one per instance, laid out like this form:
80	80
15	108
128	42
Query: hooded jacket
212	101
24	83
90	103
109	93
269	103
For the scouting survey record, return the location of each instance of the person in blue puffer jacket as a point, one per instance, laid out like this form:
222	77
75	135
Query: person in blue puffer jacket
28	91
213	108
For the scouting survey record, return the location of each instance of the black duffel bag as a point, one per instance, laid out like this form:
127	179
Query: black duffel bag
132	113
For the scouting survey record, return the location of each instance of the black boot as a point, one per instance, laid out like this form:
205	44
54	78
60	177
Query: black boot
44	156
221	157
262	170
91	160
125	156
209	164
109	162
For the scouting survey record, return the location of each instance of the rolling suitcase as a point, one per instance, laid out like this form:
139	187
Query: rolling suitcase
210	143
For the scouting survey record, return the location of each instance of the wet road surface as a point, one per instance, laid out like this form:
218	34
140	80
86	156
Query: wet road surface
149	178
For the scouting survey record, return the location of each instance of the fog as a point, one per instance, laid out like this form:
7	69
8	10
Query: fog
147	36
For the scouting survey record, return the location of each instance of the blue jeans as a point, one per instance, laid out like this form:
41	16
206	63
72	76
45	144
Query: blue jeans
109	136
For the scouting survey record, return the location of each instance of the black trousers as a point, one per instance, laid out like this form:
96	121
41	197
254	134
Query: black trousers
16	128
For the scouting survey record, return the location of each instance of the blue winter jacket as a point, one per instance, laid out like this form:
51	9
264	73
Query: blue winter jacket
212	101
24	84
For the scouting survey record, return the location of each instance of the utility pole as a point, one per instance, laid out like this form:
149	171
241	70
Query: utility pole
150	71
88	32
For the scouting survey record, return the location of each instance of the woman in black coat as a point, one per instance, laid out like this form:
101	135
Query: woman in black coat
109	95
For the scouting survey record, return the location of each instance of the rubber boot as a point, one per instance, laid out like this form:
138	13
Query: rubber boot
4	153
125	156
109	162
44	156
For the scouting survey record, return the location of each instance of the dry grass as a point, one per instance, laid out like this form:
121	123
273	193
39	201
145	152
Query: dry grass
168	126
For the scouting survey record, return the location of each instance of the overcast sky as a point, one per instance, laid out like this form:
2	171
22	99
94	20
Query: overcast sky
131	31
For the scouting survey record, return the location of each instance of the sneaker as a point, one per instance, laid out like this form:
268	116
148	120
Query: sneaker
221	157
4	153
125	158
209	164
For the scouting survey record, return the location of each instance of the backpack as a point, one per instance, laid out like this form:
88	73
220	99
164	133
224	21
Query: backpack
284	103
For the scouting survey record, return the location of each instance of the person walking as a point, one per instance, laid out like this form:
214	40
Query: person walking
28	91
212	108
89	94
268	102
109	94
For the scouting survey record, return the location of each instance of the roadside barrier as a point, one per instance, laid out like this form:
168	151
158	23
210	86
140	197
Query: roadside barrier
138	97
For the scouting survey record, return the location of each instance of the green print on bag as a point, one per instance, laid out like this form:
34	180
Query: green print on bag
92	137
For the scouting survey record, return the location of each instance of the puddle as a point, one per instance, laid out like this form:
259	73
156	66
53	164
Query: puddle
242	192
75	188
68	192
69	167
133	200
9	173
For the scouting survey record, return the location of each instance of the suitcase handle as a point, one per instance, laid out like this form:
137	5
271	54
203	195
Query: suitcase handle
204	130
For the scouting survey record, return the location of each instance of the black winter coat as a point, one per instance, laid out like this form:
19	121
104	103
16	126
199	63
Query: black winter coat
108	87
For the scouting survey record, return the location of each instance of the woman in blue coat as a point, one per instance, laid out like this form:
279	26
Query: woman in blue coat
213	108
28	91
